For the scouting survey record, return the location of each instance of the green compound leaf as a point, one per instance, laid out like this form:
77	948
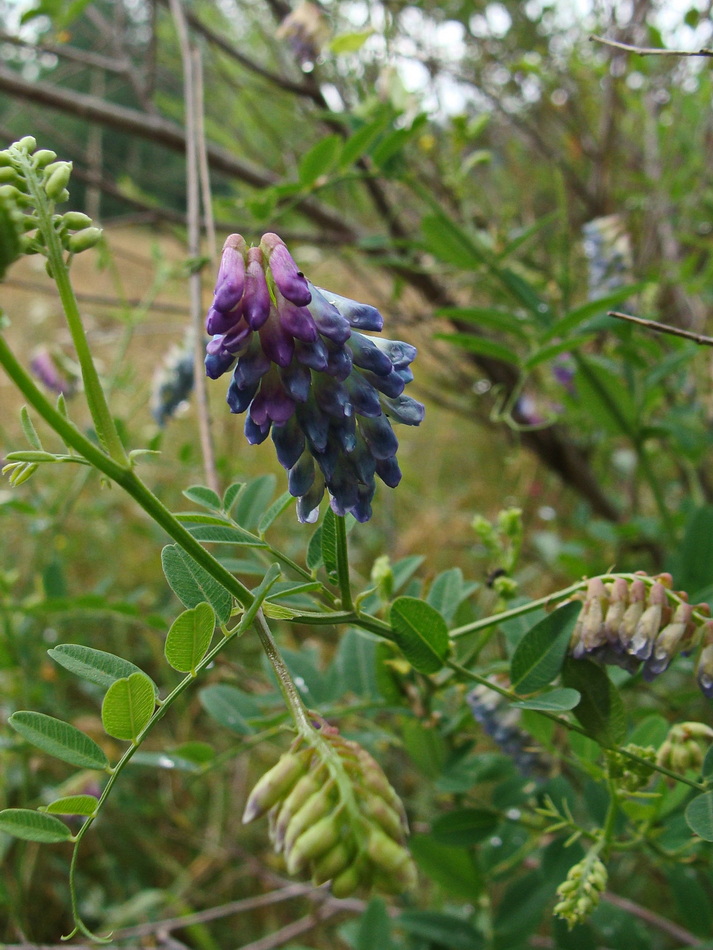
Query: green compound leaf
128	706
192	584
600	710
557	700
230	707
452	868
274	512
444	930
59	739
96	666
421	633
699	816
73	805
189	638
465	826
538	657
33	826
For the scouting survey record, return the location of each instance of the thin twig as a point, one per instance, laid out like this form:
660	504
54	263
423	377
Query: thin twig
699	338
191	63
651	50
679	934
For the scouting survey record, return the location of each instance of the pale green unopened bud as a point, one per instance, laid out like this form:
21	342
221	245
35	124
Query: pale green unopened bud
315	808
57	180
274	785
581	891
385	852
5	159
382	577
510	522
307	786
83	240
43	157
19	472
8	175
74	220
683	749
315	842
27	144
331	864
347	882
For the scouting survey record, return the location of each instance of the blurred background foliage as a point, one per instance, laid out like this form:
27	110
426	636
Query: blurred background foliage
495	182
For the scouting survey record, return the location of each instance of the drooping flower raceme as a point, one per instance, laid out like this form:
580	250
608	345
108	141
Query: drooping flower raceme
305	372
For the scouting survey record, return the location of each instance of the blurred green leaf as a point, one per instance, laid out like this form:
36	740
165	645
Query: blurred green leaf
29	430
444	930
452	868
420	632
59	739
320	159
189	637
128	706
274	512
224	534
33	826
556	700
600	710
253	500
464	827
374	927
230	707
349	42
479	344
503	321
699	816
538	656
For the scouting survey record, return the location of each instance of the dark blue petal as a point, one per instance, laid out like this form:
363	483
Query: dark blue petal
362	509
367	355
289	442
252	366
218	362
239	399
403	409
379	436
315	424
254	433
327	459
339	362
398	352
308	505
301	476
345	433
314	355
329	320
217	322
297	380
343	489
391	385
363	462
359	315
332	397
365	399
388	471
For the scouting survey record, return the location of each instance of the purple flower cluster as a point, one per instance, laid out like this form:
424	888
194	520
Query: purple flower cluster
633	624
305	373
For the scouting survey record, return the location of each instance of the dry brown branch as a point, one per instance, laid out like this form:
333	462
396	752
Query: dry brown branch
699	338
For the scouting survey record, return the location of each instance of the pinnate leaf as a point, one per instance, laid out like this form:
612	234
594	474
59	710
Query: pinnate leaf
189	638
421	633
128	706
203	496
33	825
59	739
192	584
96	666
600	709
73	805
699	816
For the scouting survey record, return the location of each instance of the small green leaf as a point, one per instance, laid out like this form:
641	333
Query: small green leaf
501	320
29	429
538	656
350	42
274	512
223	534
450	867
699	816
479	344
189	638
33	826
59	739
443	930
600	710
192	584
358	144
420	632
557	700
96	666
450	243
73	805
128	706
253	500
203	496
465	826
231	493
320	159
314	551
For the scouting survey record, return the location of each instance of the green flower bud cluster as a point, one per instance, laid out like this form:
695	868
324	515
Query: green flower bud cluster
579	894
637	623
334	815
24	168
627	774
683	748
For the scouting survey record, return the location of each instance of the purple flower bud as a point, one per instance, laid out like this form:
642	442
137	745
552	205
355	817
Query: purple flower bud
271	404
256	301
231	274
240	398
308	505
218	322
218	360
379	436
289	442
364	397
314	355
390	385
388	471
297	321
359	315
237	338
301	476
291	282
254	433
332	397
297	380
276	342
367	355
404	409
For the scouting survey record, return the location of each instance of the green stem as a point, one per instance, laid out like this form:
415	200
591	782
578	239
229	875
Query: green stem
343	563
122	474
573	727
96	400
287	686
